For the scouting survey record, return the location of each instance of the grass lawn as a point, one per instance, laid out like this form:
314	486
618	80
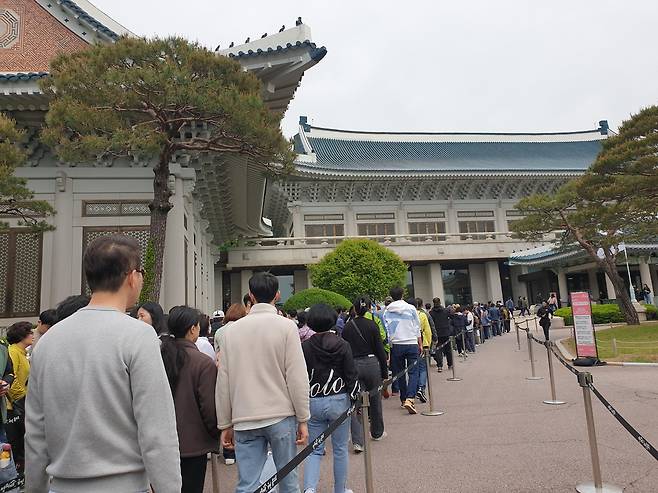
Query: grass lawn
636	343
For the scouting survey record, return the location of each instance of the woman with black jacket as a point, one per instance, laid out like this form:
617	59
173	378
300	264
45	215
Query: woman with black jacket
370	360
333	386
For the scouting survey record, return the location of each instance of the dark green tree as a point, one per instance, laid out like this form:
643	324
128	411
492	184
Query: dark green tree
16	200
614	202
357	267
156	99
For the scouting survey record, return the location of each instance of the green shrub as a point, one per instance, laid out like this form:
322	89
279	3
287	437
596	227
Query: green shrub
313	296
651	312
601	314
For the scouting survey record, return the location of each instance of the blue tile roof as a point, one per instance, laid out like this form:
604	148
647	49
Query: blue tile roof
336	154
22	76
317	54
73	7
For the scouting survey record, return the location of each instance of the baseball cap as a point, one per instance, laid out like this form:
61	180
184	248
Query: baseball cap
218	314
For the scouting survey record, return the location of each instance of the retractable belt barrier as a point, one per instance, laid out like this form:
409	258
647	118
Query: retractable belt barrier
589	383
273	481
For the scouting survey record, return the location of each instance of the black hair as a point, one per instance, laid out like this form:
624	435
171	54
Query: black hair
396	293
263	286
108	260
18	331
411	301
361	305
70	305
246	300
321	318
204	325
427	306
419	303
181	320
437	301
301	318
157	315
48	317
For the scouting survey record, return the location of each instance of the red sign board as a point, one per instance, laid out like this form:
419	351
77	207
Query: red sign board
583	327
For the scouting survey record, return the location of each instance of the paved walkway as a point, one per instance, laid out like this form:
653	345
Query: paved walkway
498	436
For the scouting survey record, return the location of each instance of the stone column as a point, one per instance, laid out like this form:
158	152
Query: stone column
172	292
436	281
62	282
494	286
245	275
593	283
422	289
519	288
562	287
645	275
610	288
218	298
478	278
301	280
309	282
236	288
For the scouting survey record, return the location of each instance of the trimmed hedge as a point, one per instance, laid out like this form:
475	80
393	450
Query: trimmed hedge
604	314
313	296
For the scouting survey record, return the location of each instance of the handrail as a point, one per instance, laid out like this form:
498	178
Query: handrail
395	238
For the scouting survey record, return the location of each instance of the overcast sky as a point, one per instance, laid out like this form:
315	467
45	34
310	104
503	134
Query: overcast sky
463	65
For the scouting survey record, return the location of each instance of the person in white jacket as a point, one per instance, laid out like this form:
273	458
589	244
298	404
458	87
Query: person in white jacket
403	328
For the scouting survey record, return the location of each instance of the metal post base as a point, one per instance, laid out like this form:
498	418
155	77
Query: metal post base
605	488
554	403
534	378
432	413
453	379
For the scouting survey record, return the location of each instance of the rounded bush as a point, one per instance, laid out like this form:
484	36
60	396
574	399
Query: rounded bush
651	312
312	296
601	314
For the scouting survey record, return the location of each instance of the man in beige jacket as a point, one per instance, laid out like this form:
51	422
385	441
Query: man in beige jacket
262	388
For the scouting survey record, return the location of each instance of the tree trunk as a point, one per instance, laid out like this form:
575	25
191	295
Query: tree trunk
625	303
160	207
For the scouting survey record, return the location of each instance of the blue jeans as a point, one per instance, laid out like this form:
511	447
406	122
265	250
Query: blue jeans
422	372
324	410
251	454
403	356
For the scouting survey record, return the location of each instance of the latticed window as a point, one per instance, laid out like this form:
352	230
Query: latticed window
427	228
476	227
20	273
376	229
140	233
323	230
116	208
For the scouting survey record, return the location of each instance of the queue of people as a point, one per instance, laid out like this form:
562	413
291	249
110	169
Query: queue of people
150	394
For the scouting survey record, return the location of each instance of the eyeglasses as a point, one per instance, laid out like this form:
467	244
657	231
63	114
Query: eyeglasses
142	271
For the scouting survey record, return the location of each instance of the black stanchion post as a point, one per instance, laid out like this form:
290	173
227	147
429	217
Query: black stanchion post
551	375
518	337
367	453
452	358
464	355
598	486
433	411
531	355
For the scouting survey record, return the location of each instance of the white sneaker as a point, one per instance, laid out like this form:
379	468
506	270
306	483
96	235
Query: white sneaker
229	462
309	490
384	435
357	448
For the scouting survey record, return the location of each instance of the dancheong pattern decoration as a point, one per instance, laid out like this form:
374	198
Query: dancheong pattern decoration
141	234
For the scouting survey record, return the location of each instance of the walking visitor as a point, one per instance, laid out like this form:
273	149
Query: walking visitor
124	435
443	332
260	355
426	333
364	339
19	336
544	314
192	378
403	329
334	386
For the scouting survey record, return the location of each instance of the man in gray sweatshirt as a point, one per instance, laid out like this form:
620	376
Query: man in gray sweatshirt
100	415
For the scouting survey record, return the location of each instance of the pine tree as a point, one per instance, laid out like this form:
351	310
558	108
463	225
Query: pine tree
138	98
614	202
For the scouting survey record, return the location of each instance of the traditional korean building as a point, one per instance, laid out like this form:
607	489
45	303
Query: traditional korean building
442	201
214	199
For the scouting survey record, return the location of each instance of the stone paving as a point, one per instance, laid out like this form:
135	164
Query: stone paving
498	436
